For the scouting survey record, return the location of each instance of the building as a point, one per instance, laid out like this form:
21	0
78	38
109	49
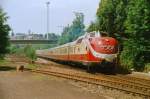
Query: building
24	36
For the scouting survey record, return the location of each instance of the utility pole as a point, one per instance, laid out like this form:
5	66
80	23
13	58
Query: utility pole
47	5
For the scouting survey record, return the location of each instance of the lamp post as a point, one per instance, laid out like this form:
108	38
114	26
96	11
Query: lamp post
47	5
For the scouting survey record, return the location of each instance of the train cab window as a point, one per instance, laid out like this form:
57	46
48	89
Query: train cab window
92	34
80	40
104	34
90	39
86	48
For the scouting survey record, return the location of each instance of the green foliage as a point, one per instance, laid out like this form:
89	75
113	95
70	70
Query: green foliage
77	28
137	31
131	56
72	32
147	67
16	49
53	36
111	16
30	52
92	27
24	50
32	66
138	19
4	31
105	16
65	35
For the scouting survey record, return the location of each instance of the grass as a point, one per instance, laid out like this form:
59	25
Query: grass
32	66
6	65
147	67
4	62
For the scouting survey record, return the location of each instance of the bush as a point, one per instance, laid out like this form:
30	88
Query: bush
30	52
26	50
134	55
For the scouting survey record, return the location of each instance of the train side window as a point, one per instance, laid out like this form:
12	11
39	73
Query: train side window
71	50
78	49
74	50
66	50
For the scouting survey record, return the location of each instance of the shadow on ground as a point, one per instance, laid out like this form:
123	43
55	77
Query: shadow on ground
6	68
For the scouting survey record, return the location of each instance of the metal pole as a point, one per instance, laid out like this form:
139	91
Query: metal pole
47	4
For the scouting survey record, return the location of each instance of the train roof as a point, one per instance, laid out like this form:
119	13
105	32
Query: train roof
64	45
74	42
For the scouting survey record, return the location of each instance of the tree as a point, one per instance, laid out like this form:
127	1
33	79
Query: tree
111	16
72	32
92	27
136	47
64	36
105	16
4	31
53	36
77	27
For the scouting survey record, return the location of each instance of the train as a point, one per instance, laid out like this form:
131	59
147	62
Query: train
93	50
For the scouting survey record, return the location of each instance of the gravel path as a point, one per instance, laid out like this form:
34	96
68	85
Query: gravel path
26	85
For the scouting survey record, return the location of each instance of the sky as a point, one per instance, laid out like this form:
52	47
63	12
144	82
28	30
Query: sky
25	15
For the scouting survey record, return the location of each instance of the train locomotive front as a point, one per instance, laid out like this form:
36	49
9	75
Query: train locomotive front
92	50
103	52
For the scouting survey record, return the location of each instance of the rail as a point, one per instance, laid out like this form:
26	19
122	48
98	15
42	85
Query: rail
143	91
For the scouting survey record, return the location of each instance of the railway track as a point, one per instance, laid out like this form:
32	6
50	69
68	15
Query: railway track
128	79
121	85
146	81
128	84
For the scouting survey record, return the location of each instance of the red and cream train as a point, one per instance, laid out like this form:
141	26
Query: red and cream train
91	50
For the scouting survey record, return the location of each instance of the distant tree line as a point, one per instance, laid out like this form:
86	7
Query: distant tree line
52	36
70	32
73	31
129	22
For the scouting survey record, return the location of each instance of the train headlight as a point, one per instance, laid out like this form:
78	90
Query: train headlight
107	47
99	43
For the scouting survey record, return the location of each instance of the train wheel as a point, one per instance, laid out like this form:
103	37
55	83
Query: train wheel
91	69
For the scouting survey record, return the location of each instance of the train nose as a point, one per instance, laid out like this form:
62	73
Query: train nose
106	57
111	58
106	45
